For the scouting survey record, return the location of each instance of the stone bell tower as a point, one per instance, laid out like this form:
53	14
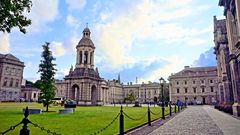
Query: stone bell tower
83	83
85	51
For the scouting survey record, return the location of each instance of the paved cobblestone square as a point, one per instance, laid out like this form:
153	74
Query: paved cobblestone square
192	121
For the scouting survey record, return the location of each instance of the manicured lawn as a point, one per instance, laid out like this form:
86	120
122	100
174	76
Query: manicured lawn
85	120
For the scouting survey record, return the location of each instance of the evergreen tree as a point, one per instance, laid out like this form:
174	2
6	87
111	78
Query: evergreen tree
47	71
12	14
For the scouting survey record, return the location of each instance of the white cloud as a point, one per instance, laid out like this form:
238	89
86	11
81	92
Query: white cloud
4	43
73	22
145	21
42	12
61	73
57	49
31	68
75	4
70	20
105	16
196	41
175	63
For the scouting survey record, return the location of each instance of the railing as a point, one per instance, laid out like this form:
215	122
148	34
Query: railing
121	114
161	114
25	130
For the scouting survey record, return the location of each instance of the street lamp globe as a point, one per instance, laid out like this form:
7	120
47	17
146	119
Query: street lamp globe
161	80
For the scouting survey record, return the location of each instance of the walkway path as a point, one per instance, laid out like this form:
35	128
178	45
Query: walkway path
200	120
228	124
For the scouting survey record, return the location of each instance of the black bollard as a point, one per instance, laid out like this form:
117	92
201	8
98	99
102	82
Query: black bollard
25	121
149	117
175	109
121	122
170	109
163	109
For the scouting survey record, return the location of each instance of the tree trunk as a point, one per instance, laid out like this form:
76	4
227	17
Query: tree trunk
47	108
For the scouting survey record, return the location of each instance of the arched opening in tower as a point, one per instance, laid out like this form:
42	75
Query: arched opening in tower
94	95
85	57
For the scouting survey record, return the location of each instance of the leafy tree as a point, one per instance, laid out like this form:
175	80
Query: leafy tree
29	83
47	71
37	84
130	97
11	14
165	93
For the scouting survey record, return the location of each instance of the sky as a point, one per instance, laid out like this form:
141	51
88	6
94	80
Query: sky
143	39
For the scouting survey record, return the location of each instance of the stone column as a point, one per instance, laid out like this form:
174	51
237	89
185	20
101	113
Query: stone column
81	86
170	92
88	60
229	25
237	3
236	87
89	93
92	59
75	94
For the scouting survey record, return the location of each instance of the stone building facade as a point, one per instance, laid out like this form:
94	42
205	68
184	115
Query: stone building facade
115	91
30	93
83	83
194	85
146	92
225	94
11	74
232	24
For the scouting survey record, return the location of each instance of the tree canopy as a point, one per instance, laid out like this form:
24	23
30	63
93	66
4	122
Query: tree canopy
130	97
12	14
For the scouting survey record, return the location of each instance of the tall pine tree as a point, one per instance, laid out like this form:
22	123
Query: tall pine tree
47	71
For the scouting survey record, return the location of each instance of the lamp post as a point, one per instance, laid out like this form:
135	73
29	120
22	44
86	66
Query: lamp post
162	83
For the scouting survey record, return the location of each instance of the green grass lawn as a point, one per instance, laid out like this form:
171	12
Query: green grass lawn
85	120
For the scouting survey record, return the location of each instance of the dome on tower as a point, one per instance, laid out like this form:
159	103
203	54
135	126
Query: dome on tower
85	42
86	30
86	39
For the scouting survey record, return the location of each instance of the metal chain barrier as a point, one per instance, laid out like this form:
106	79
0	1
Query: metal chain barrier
44	129
101	130
11	128
155	113
135	118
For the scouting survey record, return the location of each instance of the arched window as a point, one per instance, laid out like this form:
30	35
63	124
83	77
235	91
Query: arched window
85	57
11	82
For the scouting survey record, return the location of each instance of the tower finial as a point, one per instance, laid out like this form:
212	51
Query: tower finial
119	80
86	25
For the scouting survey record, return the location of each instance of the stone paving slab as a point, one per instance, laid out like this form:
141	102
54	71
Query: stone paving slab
193	121
227	123
148	129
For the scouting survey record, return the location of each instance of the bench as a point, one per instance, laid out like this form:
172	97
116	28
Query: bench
33	111
66	111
